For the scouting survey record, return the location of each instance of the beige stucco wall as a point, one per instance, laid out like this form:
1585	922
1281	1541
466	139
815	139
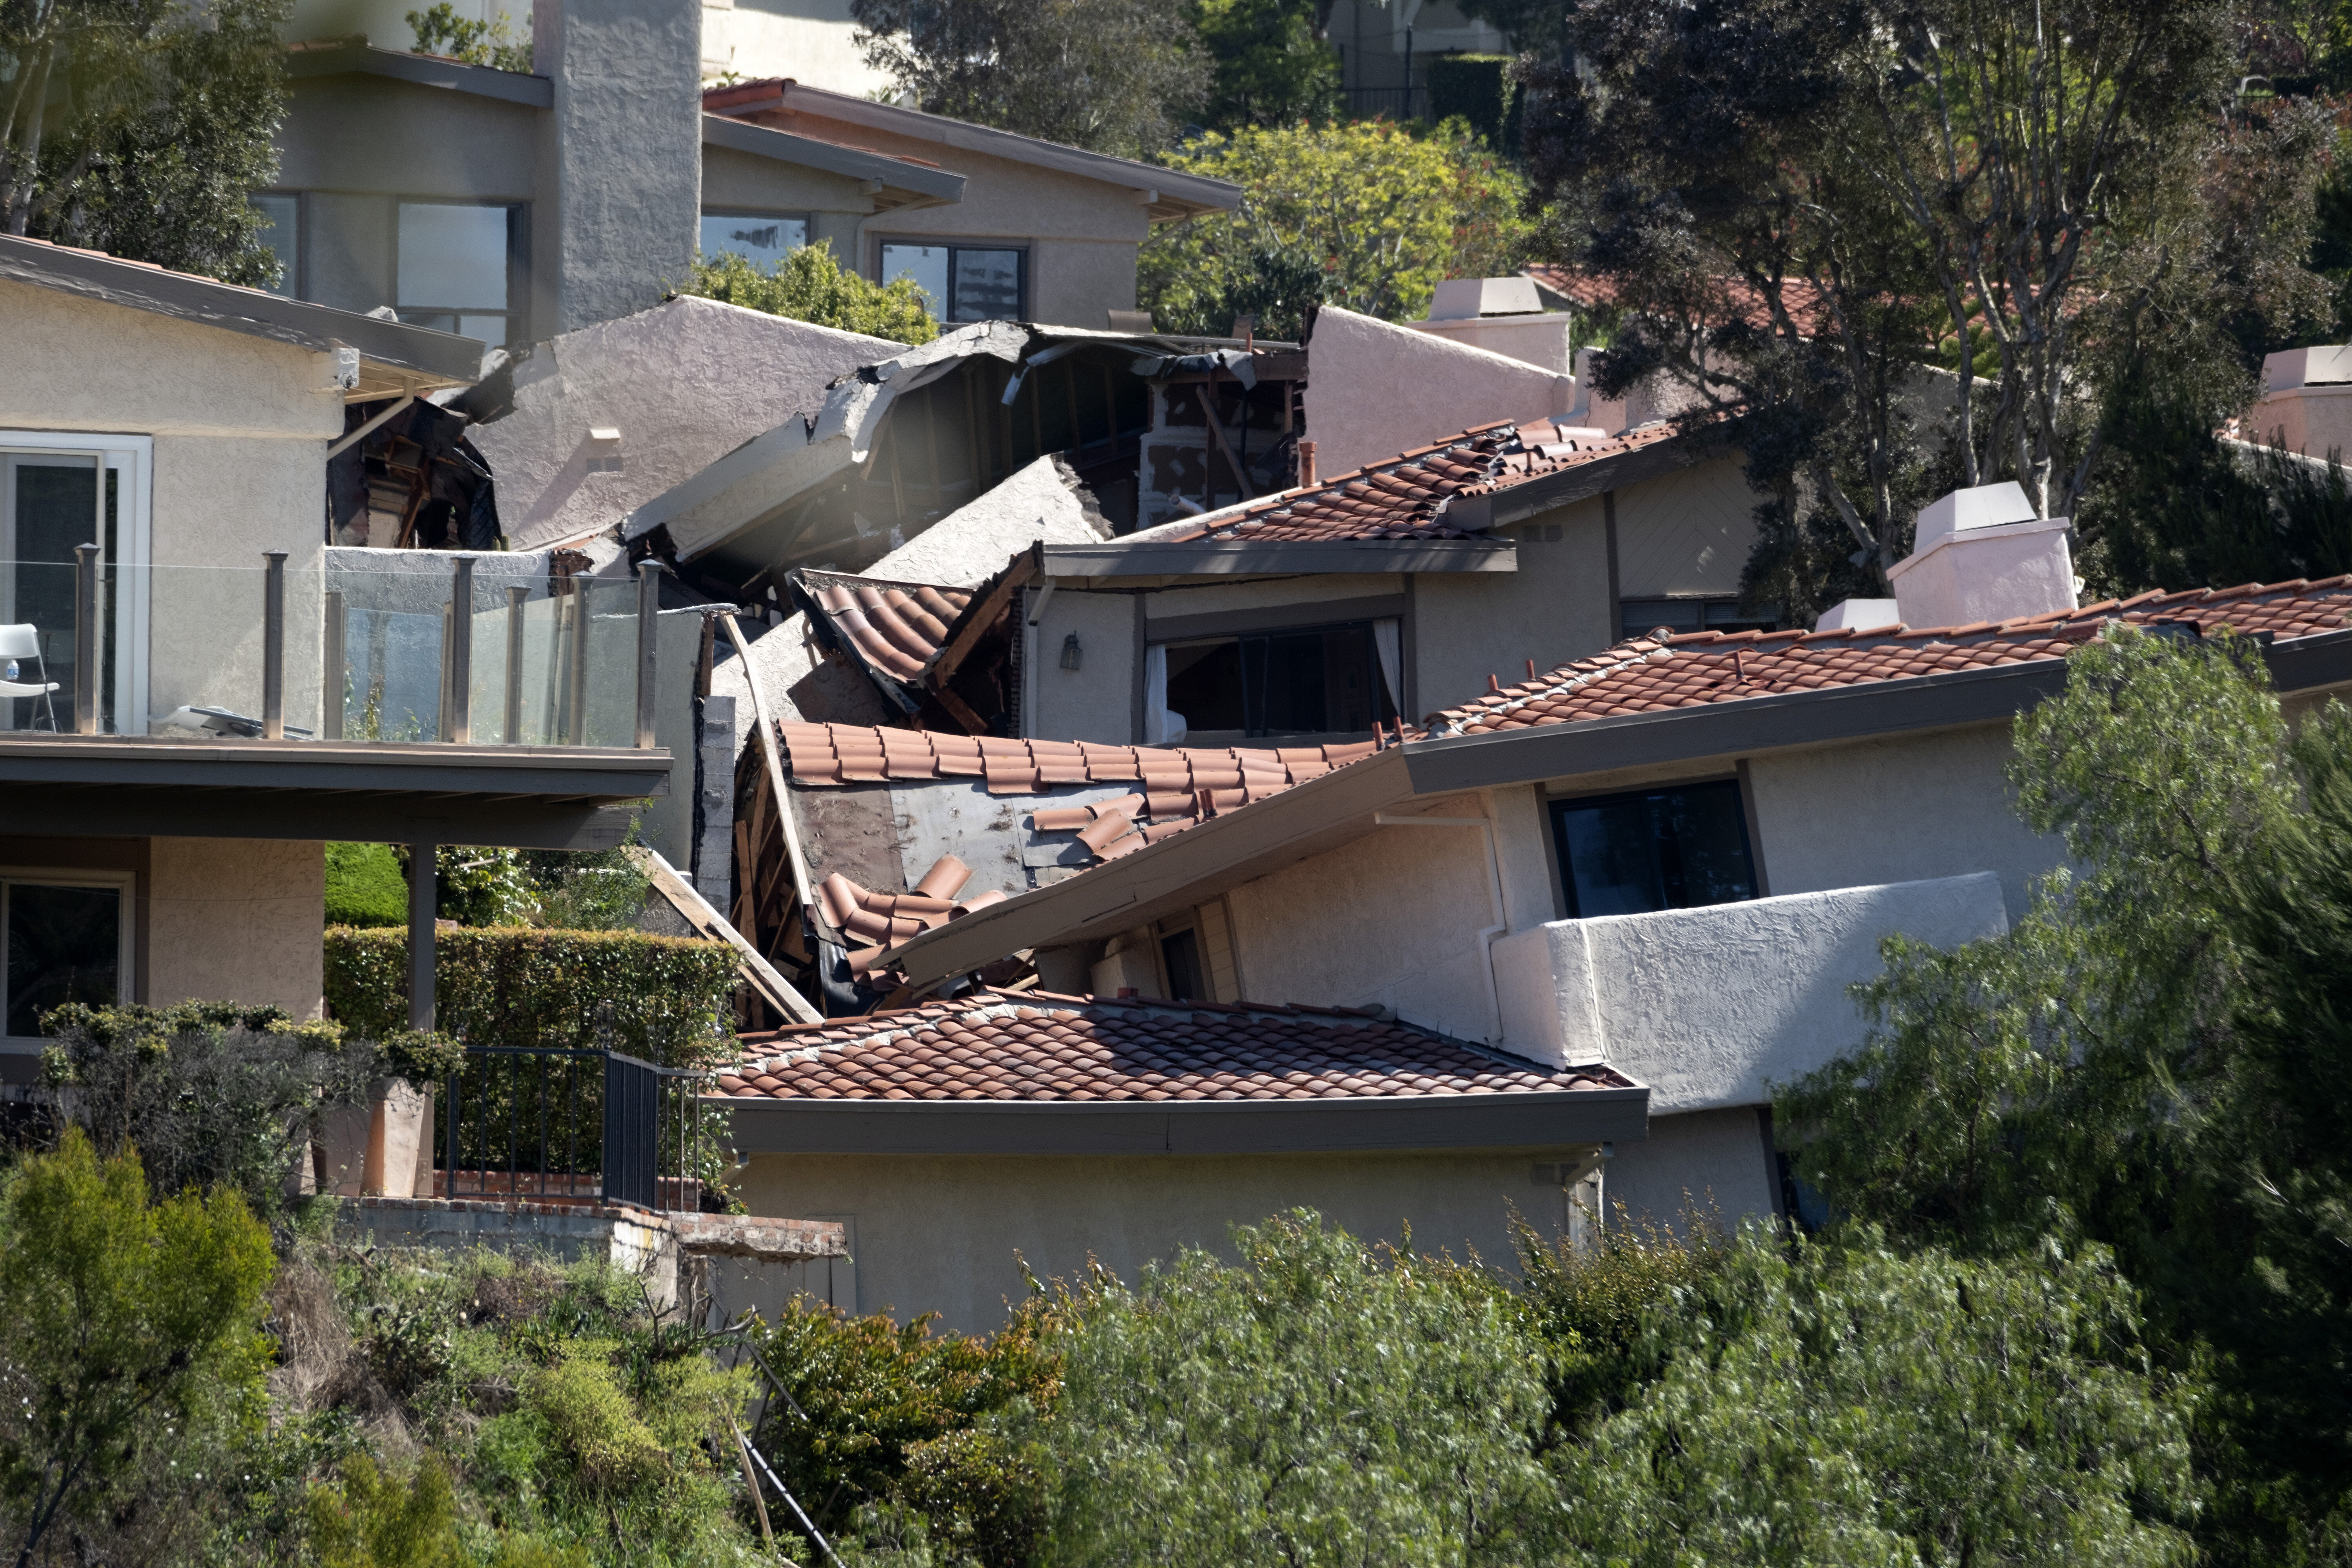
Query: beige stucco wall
1713	1165
1684	533
1379	389
239	426
812	41
948	1234
1097	701
1555	607
236	919
733	179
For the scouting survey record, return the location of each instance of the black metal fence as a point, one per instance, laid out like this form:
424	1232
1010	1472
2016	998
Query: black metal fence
549	1125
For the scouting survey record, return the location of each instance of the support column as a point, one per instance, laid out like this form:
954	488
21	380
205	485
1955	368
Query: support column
422	881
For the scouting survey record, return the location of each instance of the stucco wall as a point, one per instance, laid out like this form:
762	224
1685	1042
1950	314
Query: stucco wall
684	383
812	41
2313	420
1684	533
736	179
1896	810
237	920
942	1233
239	426
1714	1166
1097	701
1379	389
1712	1006
1555	607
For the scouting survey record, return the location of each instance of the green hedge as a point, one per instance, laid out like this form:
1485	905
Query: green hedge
366	887
1478	88
517	986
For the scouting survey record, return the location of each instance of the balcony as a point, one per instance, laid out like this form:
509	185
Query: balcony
210	700
1709	1006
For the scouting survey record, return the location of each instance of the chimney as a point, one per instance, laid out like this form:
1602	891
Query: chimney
1981	555
1305	464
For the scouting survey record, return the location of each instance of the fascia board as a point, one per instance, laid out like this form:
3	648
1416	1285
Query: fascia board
1542	1119
807	151
1547	492
1178	870
1241	557
399	816
585	772
1219	195
425	70
394	346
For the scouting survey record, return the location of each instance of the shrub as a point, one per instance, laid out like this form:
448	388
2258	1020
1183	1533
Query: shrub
809	285
594	1421
365	886
986	1492
509	986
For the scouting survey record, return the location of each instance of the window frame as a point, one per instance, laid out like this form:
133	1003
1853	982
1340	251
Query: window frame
518	306
1247	634
807	220
1732	621
1564	879
132	457
293	286
951	244
127	932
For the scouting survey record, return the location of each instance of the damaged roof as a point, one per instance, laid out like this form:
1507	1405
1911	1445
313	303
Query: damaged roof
1117	1074
913	639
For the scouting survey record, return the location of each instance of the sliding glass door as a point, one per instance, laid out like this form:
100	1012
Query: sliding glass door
50	503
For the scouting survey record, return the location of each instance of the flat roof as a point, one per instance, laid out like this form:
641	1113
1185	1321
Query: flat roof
400	356
340	57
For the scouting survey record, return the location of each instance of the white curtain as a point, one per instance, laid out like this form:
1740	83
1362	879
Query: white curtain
1160	728
1388	641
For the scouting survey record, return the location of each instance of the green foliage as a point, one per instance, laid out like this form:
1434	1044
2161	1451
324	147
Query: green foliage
1847	1404
375	1520
985	1492
365	886
869	1399
209	1093
441	31
809	285
1109	75
1593	1306
1384	212
668	996
584	890
1272	66
497	888
1479	90
1320	1400
145	126
122	1326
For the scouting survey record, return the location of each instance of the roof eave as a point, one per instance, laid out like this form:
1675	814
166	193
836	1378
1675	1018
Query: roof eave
356	56
1238	557
908	185
1530	1119
1504	505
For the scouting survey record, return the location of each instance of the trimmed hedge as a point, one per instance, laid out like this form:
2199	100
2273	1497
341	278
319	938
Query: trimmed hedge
517	986
1479	88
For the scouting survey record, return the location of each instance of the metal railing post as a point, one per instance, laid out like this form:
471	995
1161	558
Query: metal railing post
577	729
649	627
332	671
273	645
86	620
461	650
512	734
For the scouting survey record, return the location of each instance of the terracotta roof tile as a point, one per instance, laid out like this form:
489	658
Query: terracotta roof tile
1035	1046
1645	674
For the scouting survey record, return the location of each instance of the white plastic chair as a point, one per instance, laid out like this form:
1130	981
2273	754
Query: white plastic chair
17	643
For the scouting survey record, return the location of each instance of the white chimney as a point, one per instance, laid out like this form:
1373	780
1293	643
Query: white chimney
1858	615
1502	315
1982	555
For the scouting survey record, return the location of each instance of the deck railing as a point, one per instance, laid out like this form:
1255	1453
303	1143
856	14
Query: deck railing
532	1124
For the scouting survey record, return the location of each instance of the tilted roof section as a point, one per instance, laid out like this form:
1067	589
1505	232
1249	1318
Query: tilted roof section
1647	675
1001	1045
339	57
825	754
898	628
399	357
905	183
1173	194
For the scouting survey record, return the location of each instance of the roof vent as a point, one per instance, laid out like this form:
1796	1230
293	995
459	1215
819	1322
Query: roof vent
1461	298
1982	555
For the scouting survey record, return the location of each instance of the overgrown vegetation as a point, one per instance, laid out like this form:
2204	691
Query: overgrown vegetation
490	41
564	890
809	285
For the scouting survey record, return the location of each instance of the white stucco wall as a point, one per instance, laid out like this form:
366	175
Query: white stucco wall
1468	626
684	383
1097	701
942	1234
1379	389
975	542
812	41
236	919
1712	1006
1686	533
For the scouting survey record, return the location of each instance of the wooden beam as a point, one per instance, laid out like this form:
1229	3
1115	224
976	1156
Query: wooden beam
1209	410
978	616
760	715
756	971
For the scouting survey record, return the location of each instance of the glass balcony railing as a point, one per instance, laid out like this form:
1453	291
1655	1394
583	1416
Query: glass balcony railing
424	649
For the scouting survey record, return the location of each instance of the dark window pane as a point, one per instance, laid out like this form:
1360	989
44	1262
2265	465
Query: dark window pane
1660	849
1285	683
56	509
1181	954
1204	685
64	945
987	285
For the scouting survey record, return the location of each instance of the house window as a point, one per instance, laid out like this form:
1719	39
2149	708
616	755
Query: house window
1639	617
1671	848
1321	680
1180	960
282	232
963	282
760	239
57	493
67	938
456	268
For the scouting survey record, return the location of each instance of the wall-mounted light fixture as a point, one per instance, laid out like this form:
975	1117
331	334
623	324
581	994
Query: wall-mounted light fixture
1072	656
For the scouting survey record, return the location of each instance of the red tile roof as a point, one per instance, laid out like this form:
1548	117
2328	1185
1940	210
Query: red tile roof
1735	295
886	920
1643	675
1003	1045
896	627
1408	496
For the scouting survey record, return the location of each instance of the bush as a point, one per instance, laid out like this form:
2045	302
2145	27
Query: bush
365	886
668	996
1478	90
809	285
211	1093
